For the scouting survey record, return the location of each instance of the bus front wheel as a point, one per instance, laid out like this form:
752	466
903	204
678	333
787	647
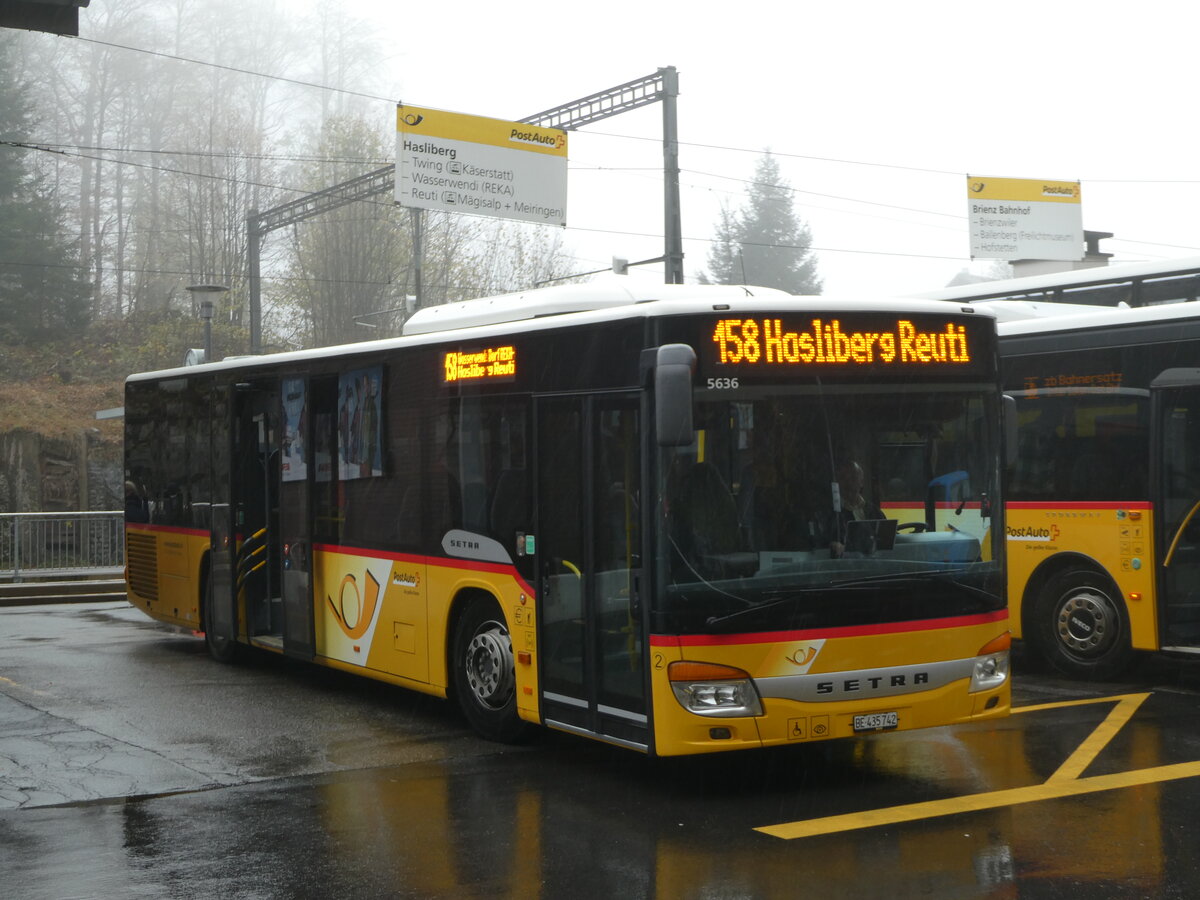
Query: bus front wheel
485	679
1080	625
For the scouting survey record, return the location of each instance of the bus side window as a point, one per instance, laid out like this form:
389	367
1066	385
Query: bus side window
509	504
479	481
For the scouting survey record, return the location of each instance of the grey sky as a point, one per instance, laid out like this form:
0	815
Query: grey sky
876	111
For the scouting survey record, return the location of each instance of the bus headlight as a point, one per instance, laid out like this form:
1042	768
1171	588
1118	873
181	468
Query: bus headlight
991	665
708	689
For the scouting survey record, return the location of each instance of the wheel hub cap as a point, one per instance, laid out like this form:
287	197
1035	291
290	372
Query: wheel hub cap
1086	622
489	666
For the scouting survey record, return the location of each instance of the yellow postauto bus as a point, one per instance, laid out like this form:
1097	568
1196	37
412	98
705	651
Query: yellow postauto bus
1104	501
1103	498
612	511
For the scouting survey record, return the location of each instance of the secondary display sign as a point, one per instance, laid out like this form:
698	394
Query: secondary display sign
487	364
471	164
1020	218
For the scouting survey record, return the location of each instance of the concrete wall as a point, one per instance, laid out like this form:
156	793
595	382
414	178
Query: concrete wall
43	474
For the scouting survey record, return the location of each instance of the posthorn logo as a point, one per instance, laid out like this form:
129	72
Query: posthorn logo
802	657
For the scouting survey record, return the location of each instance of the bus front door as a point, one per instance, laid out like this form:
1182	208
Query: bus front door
1176	415
589	553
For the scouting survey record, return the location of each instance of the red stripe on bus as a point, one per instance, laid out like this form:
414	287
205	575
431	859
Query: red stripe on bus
920	507
1081	504
167	529
769	637
377	554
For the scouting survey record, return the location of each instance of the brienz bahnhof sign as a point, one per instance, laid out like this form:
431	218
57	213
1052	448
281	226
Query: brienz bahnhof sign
1021	218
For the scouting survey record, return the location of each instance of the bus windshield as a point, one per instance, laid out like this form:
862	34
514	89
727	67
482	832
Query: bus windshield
830	505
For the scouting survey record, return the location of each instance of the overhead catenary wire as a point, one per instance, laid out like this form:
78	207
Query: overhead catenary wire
65	149
75	150
201	62
699	145
298	279
682	143
389	205
57	149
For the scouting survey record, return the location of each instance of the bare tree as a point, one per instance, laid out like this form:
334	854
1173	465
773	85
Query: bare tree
511	256
352	261
168	141
168	156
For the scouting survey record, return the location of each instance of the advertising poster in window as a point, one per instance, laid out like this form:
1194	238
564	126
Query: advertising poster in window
360	405
295	427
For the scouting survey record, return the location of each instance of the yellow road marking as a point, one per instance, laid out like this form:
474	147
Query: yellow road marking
18	684
1065	782
1099	738
1060	704
977	802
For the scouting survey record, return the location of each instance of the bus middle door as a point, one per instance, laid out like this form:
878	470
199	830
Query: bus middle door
255	503
1175	405
591	638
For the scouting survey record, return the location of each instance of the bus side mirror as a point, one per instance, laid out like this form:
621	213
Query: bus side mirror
674	367
1010	430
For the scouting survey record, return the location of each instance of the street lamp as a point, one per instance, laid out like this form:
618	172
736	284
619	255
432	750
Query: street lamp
206	310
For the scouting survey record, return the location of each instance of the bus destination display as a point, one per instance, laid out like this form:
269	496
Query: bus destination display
827	342
488	364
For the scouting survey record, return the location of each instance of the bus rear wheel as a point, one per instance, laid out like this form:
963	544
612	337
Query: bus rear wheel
485	679
1081	627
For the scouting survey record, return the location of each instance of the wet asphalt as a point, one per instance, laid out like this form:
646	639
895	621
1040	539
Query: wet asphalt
133	766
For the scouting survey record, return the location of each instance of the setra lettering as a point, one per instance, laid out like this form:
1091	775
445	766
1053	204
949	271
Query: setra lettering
859	685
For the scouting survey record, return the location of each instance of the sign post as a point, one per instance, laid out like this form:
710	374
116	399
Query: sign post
490	167
1015	218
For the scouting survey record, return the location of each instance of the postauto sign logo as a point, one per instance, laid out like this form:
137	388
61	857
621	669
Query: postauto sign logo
1048	534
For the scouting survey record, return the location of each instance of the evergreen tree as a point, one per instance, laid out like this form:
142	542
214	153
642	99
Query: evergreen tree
42	290
764	242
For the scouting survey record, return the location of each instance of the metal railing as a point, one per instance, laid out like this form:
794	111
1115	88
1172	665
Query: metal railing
40	545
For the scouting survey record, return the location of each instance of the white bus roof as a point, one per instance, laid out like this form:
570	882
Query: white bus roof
1018	310
1077	318
569	298
574	298
1076	278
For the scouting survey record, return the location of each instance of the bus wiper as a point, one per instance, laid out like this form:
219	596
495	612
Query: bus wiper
940	576
791	596
897	577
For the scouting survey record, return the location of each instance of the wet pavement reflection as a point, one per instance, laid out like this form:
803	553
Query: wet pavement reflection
564	820
1021	808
